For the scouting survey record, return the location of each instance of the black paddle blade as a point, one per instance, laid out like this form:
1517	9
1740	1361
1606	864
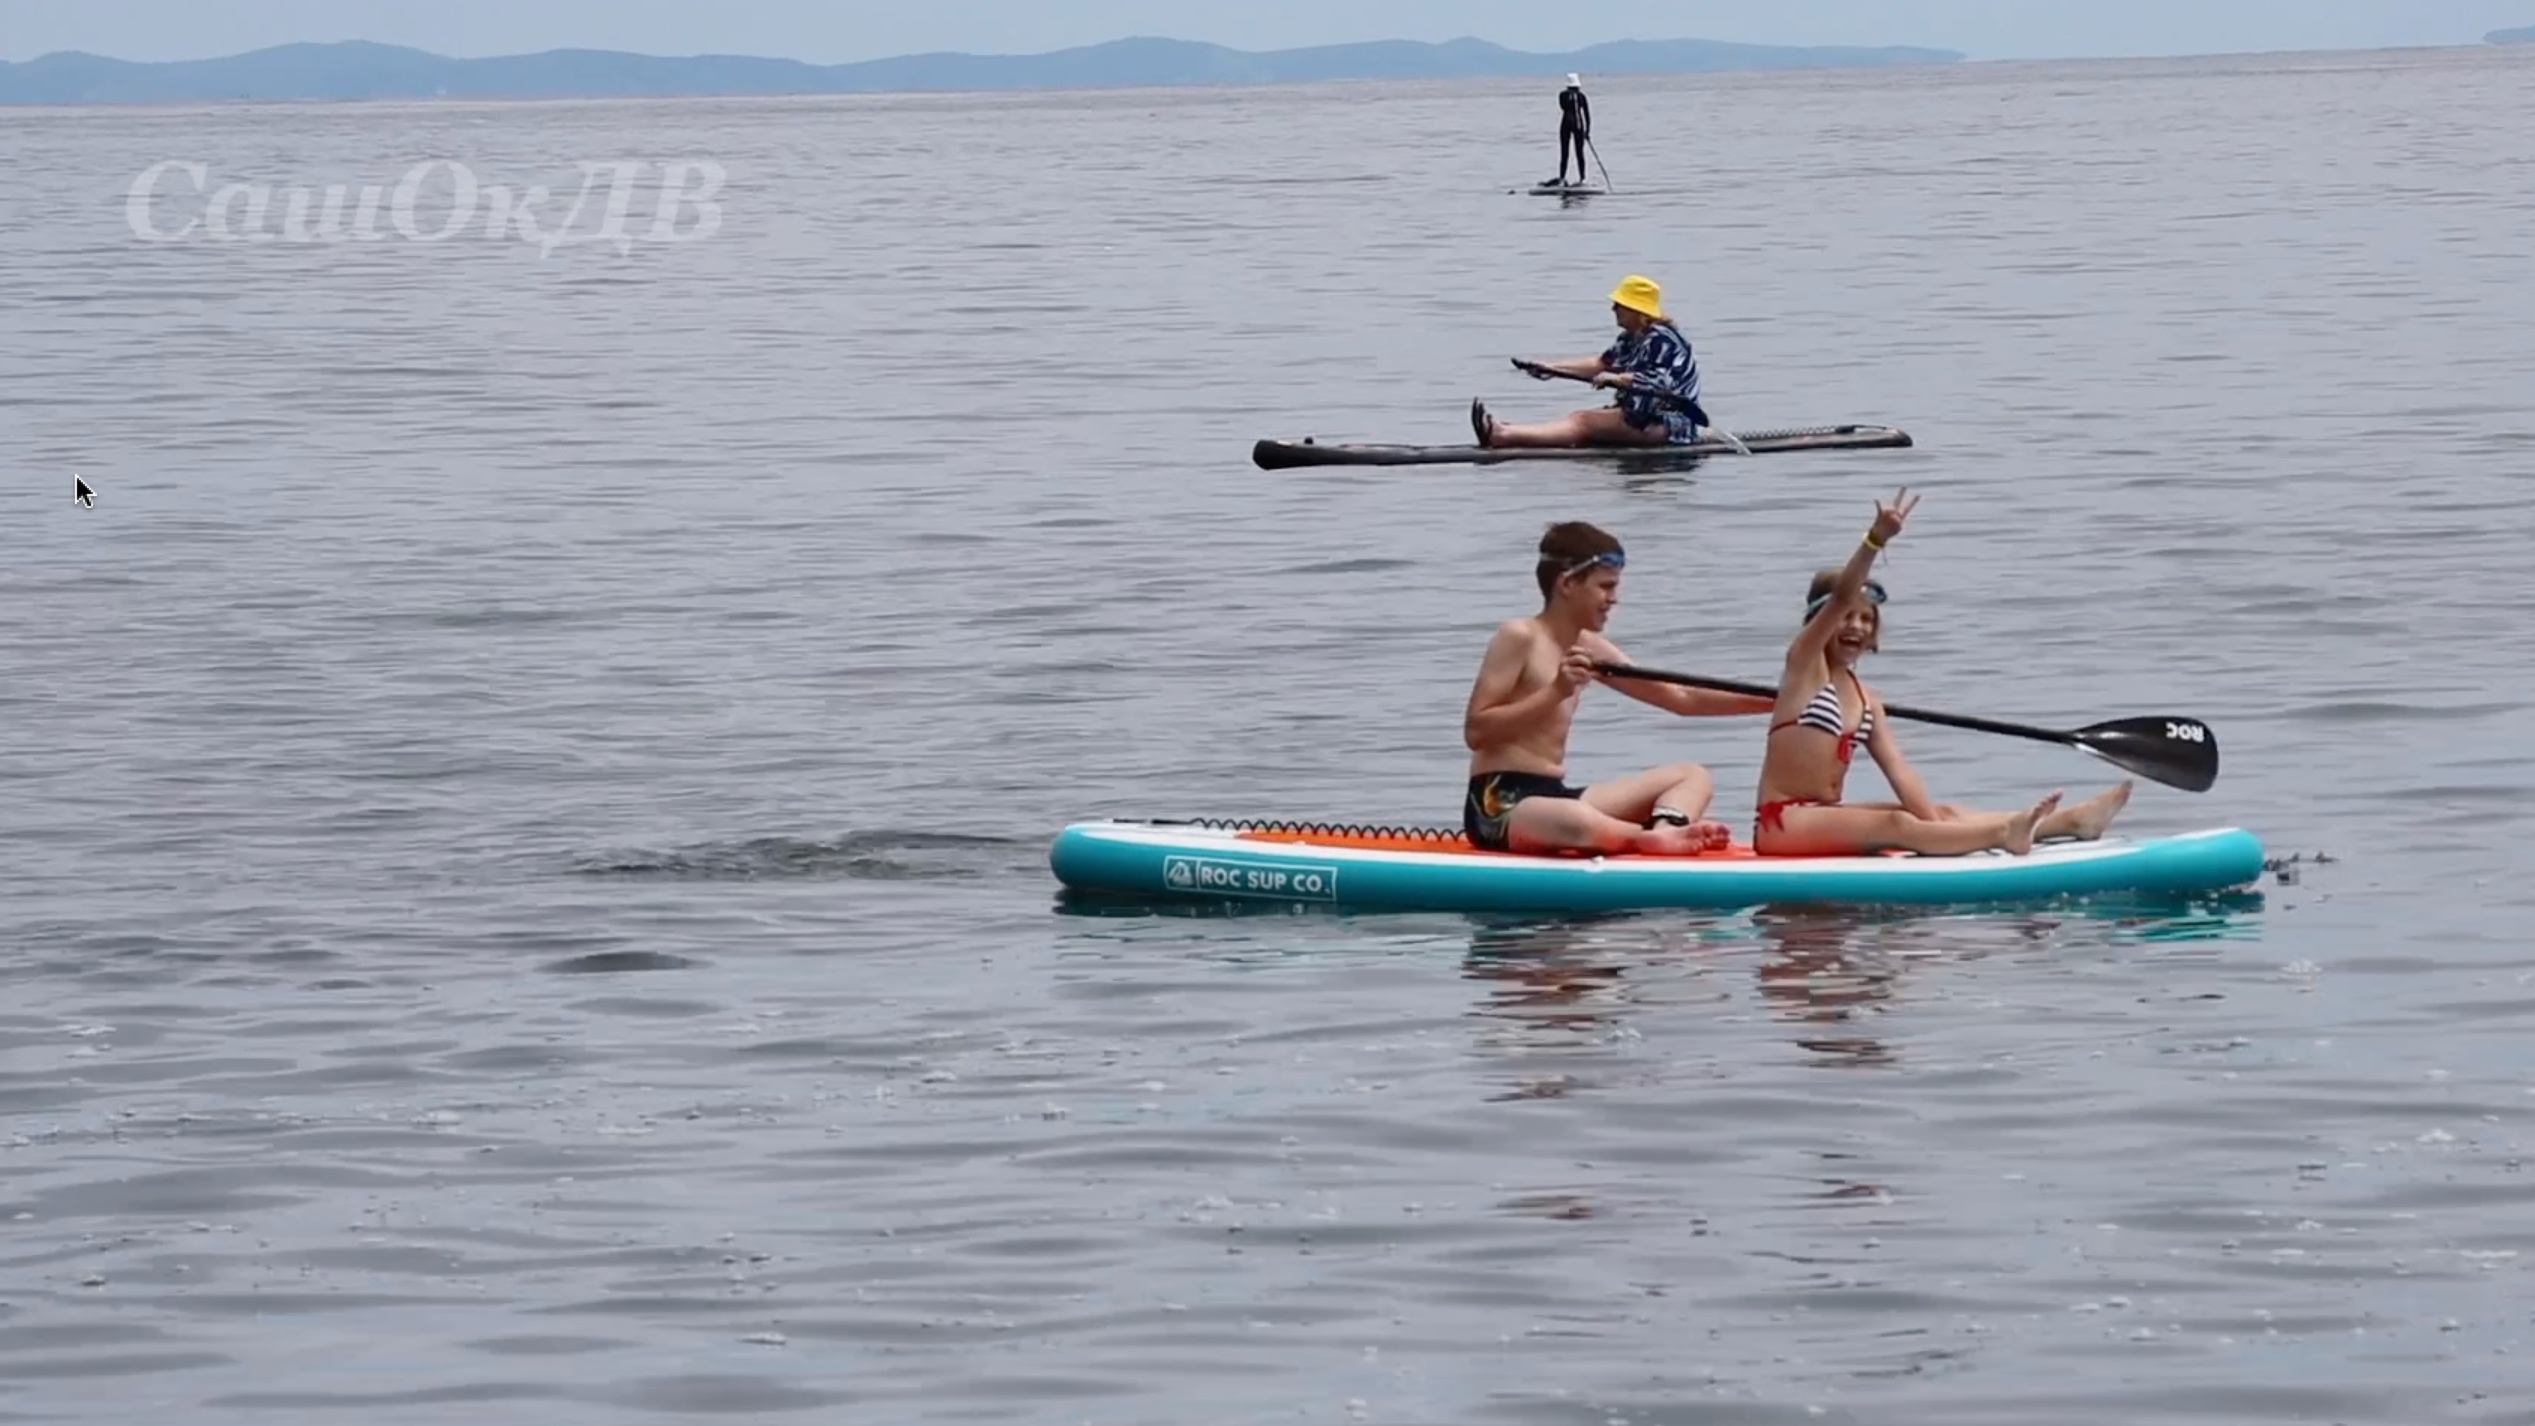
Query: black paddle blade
2179	752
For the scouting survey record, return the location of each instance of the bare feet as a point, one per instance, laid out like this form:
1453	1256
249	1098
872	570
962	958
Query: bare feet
1718	835
2020	828
2089	819
1690	841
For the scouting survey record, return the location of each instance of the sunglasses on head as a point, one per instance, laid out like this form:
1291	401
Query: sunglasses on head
1615	559
1874	595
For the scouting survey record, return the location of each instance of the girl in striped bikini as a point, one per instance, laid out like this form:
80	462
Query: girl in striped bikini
1824	712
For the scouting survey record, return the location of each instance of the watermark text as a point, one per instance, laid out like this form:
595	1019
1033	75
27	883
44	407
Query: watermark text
436	200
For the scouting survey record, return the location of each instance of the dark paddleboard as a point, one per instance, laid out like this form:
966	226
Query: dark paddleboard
1568	190
1286	455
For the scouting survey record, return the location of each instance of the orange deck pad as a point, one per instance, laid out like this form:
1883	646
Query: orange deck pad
1453	844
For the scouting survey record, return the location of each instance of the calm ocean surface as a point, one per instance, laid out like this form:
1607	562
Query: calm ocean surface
524	810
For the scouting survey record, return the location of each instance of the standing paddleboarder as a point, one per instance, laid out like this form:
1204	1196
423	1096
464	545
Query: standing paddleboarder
1575	129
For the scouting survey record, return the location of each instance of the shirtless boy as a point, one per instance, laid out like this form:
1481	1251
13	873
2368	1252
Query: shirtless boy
1524	701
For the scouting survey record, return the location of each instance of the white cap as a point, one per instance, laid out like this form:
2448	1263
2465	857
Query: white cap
1578	83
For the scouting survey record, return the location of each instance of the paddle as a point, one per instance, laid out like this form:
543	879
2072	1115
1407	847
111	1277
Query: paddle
1597	162
2179	752
1533	368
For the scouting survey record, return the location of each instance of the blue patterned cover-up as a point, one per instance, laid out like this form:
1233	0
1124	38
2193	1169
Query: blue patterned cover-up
1660	357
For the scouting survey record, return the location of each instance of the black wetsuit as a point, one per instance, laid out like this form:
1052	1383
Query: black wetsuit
1575	126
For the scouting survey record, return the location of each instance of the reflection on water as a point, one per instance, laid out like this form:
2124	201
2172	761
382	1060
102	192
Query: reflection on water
2231	916
1558	988
1830	973
1575	979
1826	970
1568	975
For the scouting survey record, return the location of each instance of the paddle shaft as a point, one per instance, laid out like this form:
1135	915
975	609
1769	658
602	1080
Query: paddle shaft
1916	715
1597	162
1658	393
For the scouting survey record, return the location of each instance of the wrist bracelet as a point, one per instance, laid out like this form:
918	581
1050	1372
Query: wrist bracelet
1873	540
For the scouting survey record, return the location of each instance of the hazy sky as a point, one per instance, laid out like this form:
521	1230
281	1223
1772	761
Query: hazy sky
828	31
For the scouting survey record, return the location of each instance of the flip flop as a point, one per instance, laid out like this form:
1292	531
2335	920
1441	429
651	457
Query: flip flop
1479	421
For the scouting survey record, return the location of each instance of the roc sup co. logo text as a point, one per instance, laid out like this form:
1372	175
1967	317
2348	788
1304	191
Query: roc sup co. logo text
1274	881
436	200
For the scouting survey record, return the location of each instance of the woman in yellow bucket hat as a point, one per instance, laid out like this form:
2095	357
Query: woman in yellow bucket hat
1651	367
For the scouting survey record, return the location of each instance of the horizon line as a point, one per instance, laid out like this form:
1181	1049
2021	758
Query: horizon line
1916	56
1968	56
992	54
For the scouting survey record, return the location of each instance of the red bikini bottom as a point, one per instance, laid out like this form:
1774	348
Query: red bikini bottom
1773	814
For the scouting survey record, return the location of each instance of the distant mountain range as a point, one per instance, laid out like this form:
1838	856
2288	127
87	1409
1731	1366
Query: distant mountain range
360	70
2511	37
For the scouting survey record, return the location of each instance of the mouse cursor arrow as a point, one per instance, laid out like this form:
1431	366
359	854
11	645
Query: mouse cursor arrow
86	496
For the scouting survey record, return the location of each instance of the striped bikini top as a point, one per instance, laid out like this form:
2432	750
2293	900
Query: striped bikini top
1823	714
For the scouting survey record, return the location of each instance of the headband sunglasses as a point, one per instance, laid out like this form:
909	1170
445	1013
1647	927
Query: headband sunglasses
1874	593
1616	559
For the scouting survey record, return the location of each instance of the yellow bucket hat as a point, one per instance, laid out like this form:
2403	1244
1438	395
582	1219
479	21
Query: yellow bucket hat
1639	294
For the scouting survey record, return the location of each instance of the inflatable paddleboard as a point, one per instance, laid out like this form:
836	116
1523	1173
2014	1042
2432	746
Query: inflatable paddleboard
1309	451
1393	869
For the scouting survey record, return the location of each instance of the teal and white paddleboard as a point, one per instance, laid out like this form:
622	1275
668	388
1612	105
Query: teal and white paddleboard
1394	870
